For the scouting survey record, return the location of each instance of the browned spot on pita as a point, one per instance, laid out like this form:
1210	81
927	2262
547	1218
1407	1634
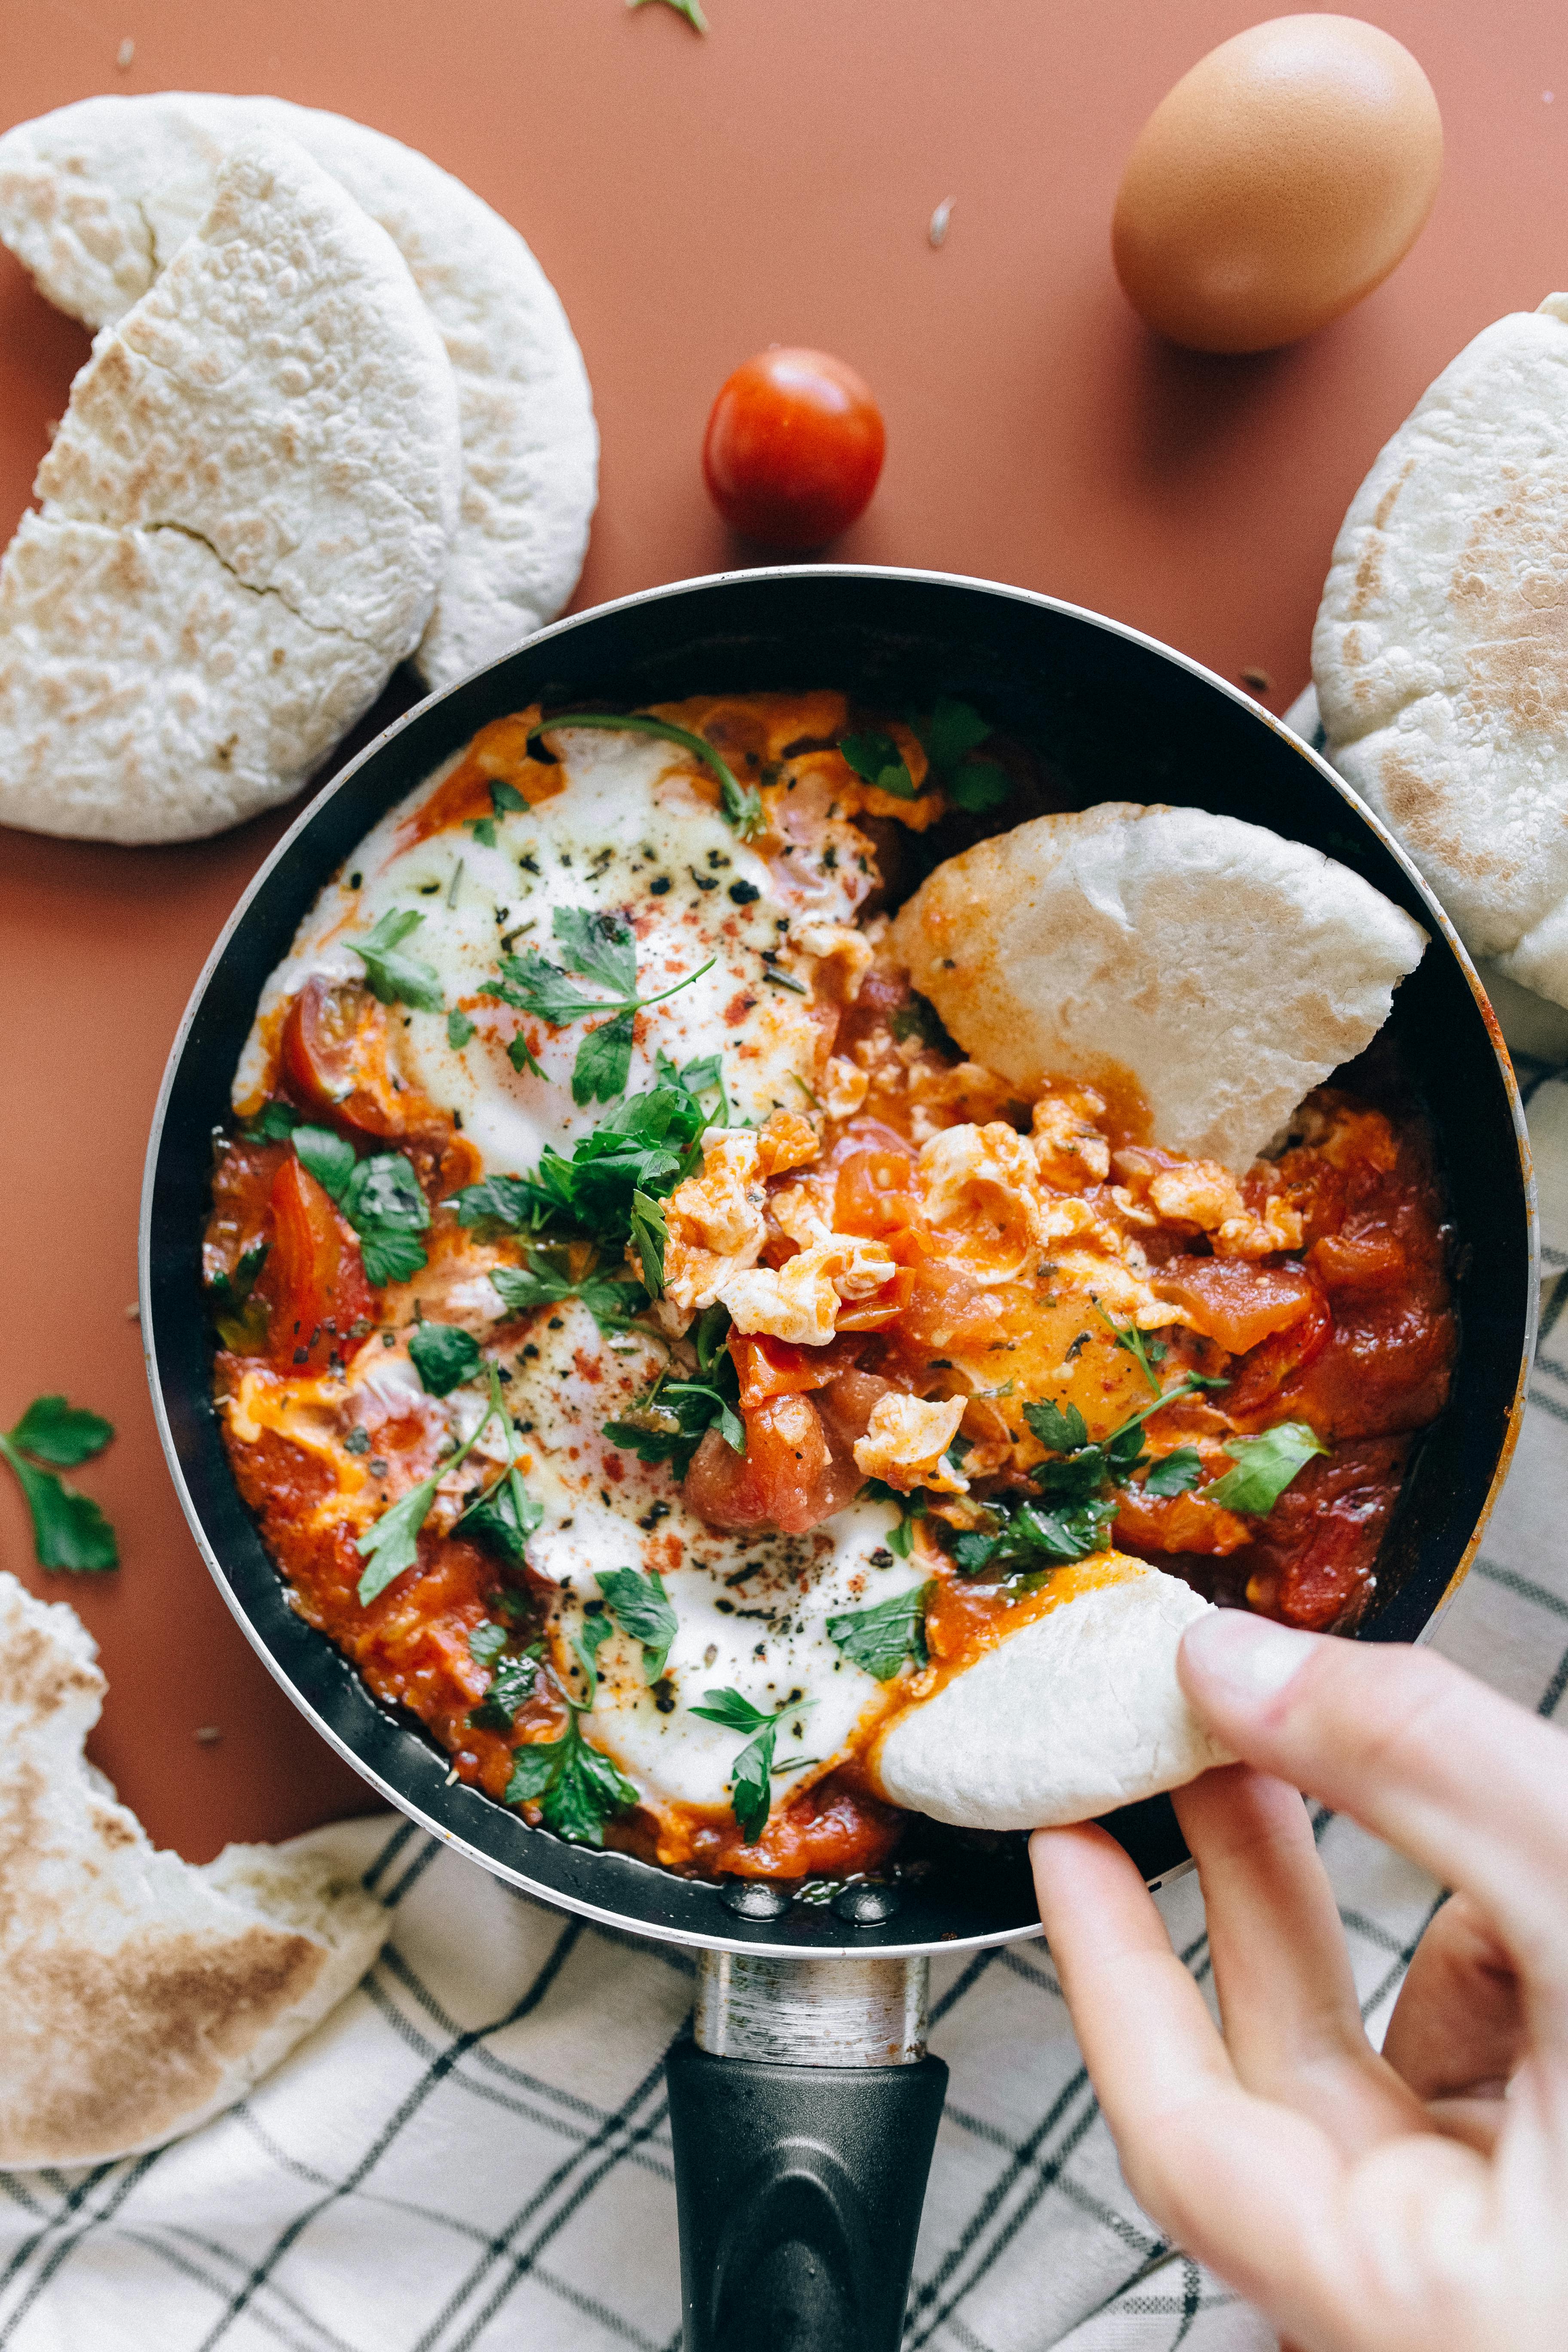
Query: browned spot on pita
1390	497
1417	812
97	2048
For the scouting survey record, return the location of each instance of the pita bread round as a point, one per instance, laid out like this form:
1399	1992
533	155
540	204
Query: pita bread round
97	197
143	1995
1441	646
246	514
1078	1711
1228	971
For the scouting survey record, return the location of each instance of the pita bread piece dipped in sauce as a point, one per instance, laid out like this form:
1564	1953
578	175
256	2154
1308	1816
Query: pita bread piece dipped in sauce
1281	180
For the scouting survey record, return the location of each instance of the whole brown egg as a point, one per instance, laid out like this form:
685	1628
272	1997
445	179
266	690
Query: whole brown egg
1278	181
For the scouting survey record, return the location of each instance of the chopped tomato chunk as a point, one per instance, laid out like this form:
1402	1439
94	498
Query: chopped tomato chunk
314	1277
1235	1301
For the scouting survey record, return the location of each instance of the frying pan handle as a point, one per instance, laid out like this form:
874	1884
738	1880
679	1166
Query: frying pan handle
800	2190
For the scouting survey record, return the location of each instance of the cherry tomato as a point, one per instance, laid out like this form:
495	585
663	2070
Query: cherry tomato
314	1273
794	448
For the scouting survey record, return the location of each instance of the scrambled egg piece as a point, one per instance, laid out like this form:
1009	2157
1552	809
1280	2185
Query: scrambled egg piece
799	1301
905	1441
1205	1194
715	1220
1069	1150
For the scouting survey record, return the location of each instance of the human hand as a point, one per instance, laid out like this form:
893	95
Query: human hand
1398	2203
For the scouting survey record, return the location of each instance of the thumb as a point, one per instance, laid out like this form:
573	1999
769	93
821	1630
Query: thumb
1419	1752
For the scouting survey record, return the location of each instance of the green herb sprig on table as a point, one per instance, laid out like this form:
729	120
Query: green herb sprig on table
741	806
600	947
380	1197
696	19
751	1783
69	1531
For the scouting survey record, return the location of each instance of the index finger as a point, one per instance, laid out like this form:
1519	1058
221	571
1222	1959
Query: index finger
1417	1751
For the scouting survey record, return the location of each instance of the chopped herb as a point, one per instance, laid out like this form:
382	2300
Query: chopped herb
274	1123
380	1197
505	798
886	1636
520	1054
240	1319
459	1029
486	1642
69	1531
444	1355
878	761
601	946
1176	1472
357	1441
950	733
751	1790
394	977
391	1543
648	1236
979	784
670	1422
910	1507
640	1607
483	829
613	1304
504	1517
575	1787
1145	1353
1265	1466
513	1679
1061	1429
742	808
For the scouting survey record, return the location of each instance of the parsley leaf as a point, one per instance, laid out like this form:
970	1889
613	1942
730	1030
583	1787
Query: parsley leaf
613	1303
508	1201
459	1029
380	1197
979	784
532	984
240	1319
443	1355
65	1435
751	1786
68	1529
878	761
601	945
741	806
603	1061
391	1543
273	1123
394	977
1265	1466
1031	1540
1175	1473
649	1233
919	1018
512	1681
1062	1428
504	1517
670	1422
575	1787
883	1637
486	1641
952	729
640	1607
328	1157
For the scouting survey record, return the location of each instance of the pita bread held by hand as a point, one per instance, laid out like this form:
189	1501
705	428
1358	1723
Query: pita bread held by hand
1441	648
1226	970
141	1996
1077	1712
246	514
96	198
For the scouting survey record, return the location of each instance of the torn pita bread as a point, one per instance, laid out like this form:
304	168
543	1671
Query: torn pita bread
246	514
1078	1711
143	1995
97	197
1439	651
1226	970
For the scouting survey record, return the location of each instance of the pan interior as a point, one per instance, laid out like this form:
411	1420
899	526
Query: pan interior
1112	715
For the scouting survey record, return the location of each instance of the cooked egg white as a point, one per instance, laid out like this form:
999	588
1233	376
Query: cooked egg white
633	834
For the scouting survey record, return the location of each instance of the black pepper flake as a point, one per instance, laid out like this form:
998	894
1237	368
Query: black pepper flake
529	1352
354	881
658	888
703	881
555	1323
743	893
378	1468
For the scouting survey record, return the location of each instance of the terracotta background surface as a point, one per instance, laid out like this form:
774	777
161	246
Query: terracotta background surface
694	200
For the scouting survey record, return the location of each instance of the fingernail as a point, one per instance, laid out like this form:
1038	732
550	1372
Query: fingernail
1252	1654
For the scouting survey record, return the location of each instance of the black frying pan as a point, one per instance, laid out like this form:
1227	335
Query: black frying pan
802	2181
